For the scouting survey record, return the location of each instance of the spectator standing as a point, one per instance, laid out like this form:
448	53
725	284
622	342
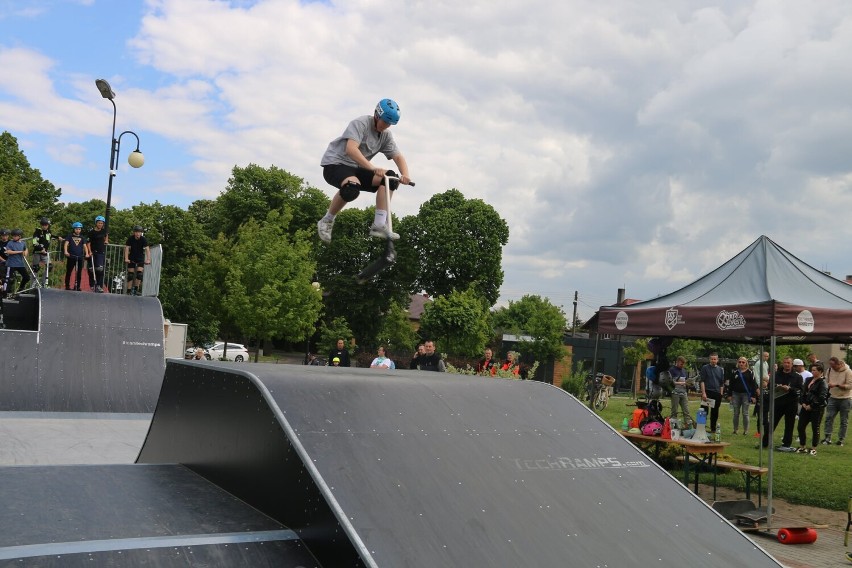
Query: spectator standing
41	249
812	360
75	255
761	375
839	378
680	397
98	240
341	353
4	240
743	391
431	361
415	361
652	389
382	362
487	364
813	400
136	255
788	385
510	364
712	378
16	263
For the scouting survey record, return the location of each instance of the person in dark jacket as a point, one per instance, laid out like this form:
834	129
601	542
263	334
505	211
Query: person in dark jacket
431	361
813	400
712	378
788	385
487	363
415	361
341	353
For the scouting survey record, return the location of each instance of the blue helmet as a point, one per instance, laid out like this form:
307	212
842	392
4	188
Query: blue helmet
76	225
100	218
388	110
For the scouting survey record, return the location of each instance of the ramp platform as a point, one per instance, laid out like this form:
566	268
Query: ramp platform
79	352
131	515
409	468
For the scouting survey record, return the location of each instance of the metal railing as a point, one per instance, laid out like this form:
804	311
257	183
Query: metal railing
115	271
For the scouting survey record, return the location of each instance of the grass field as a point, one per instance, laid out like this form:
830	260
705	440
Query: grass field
824	480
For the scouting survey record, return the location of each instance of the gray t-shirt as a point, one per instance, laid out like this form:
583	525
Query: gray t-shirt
370	142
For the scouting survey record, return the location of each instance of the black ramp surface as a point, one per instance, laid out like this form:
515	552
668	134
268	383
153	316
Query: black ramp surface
430	469
88	353
134	515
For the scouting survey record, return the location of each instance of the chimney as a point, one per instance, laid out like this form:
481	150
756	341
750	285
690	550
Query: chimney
620	298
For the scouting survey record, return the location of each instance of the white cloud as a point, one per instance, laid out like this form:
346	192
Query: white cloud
627	144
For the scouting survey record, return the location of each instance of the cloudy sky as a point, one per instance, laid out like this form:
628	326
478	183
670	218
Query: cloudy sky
628	144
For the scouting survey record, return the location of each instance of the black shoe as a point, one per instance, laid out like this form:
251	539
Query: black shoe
839	442
826	442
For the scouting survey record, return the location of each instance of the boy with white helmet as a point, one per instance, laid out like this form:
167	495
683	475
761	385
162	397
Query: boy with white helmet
346	166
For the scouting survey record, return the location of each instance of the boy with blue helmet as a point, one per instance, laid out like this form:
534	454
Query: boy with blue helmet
346	166
76	252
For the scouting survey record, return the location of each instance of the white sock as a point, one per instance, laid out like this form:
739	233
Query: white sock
381	218
329	216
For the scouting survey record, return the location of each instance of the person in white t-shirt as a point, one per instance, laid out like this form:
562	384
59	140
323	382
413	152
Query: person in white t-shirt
382	362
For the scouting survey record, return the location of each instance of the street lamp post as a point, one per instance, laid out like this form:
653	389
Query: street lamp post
136	159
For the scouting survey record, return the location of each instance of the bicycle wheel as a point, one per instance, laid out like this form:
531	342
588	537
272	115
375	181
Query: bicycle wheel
601	400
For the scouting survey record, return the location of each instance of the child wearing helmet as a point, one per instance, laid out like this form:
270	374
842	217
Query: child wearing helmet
16	252
98	240
76	252
136	256
346	166
41	249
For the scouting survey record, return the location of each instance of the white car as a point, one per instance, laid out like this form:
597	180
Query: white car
236	352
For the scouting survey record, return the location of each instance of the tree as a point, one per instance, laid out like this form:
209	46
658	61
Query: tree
459	243
17	176
268	290
537	318
396	332
253	191
338	262
458	322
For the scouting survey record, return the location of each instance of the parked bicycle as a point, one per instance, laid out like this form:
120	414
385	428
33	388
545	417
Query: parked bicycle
597	388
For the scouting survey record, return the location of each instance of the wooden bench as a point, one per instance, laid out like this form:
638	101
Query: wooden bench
750	473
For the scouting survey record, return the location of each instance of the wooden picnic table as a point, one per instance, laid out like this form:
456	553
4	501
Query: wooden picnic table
699	453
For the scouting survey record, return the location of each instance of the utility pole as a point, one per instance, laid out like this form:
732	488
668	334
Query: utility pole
574	319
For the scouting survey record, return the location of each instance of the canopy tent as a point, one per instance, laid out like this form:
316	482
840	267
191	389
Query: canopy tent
762	292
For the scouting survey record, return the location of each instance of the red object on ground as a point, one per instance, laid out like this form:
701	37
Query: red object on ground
797	536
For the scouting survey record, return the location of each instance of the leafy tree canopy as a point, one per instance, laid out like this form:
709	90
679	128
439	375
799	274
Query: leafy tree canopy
458	322
459	243
26	196
537	318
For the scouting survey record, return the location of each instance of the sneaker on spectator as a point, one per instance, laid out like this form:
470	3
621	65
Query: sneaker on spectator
839	442
324	230
383	233
785	449
826	442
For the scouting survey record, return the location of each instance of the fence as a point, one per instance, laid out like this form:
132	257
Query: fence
115	270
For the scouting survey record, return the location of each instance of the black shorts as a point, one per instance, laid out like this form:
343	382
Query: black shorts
334	174
134	265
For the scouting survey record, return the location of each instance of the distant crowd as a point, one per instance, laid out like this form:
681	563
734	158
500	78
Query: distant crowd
83	253
813	395
425	358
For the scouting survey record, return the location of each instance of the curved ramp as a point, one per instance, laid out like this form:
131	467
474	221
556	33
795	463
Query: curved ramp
83	353
429	469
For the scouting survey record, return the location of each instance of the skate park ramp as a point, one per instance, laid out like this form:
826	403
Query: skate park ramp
81	352
408	468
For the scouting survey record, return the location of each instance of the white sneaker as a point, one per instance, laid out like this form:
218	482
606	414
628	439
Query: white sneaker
324	229
383	233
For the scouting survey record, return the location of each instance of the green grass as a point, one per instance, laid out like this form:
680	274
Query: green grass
823	480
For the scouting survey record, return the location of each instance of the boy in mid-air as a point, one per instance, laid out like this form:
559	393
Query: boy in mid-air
346	166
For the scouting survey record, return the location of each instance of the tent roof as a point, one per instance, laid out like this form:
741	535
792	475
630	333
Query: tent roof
761	292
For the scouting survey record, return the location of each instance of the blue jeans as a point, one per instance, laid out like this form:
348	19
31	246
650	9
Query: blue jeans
741	401
835	405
